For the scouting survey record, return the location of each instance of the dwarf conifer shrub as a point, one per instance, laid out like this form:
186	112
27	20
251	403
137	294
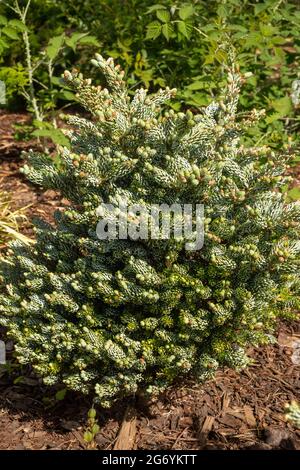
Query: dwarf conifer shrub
119	316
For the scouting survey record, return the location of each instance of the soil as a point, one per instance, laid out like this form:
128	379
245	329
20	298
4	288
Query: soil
235	410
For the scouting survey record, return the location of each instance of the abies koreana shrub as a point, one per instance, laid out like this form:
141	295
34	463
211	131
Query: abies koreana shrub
122	316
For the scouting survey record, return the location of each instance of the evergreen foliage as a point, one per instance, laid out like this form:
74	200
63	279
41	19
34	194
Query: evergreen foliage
117	317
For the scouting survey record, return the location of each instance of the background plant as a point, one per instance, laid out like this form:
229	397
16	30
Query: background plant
34	76
176	43
92	429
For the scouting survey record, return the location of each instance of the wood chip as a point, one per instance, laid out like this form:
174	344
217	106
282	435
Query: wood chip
208	424
236	414
174	421
250	418
225	402
79	438
127	433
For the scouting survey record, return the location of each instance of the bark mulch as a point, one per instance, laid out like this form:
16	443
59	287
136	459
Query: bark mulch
233	411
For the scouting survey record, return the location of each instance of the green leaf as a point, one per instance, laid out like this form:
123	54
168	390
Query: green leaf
60	395
283	106
42	124
95	429
3	20
167	30
294	194
237	27
186	11
51	52
200	99
74	39
182	28
10	32
17	24
261	7
153	30
4	43
125	44
268	29
92	413
163	15
155	7
58	81
54	134
67	95
88	436
195	99
197	85
91	40
222	11
272	118
54	46
252	39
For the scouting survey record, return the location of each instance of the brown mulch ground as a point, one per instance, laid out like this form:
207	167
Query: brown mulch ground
41	203
233	411
38	203
9	146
